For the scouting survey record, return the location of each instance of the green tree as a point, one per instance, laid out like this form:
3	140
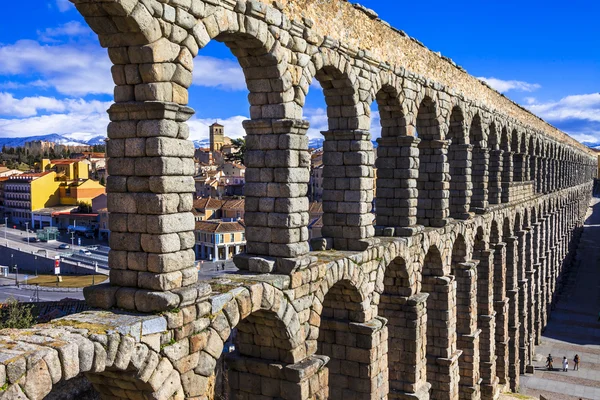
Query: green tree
240	146
84	208
16	315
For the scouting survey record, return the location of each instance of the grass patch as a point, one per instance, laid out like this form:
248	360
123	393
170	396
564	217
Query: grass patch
70	281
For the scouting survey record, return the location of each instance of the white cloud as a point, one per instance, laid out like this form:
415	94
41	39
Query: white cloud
504	86
64	116
63	5
218	73
70	69
582	107
72	28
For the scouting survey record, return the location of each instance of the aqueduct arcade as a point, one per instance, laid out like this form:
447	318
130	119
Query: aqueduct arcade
441	292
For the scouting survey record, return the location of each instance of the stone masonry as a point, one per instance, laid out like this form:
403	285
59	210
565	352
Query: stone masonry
441	292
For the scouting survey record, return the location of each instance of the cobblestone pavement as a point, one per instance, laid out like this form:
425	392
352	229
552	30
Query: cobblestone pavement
574	327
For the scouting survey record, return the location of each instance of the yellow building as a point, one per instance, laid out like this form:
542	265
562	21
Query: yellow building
59	183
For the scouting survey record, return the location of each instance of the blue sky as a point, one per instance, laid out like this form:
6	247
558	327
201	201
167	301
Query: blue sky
545	55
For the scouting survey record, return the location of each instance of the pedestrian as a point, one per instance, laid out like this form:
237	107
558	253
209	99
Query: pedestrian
565	364
222	266
549	362
576	362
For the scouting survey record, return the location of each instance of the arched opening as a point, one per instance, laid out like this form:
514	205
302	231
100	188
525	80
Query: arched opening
465	273
517	157
512	293
441	352
256	354
396	158
459	157
486	315
507	165
402	304
347	159
432	185
347	340
480	166
500	302
495	168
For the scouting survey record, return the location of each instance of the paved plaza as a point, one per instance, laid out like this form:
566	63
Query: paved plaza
573	327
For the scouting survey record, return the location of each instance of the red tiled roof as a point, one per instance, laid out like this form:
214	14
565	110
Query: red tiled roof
208	203
218	226
234	204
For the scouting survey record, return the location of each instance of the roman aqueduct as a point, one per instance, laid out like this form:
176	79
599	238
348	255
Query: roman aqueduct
441	293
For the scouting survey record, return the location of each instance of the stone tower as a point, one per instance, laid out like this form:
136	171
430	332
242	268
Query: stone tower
217	137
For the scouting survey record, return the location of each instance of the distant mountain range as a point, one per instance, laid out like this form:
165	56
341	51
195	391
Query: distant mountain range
67	140
74	139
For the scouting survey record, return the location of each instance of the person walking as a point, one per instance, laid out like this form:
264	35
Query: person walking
576	363
549	362
565	364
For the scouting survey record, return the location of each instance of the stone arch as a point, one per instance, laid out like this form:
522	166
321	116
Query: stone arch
507	163
459	163
117	365
480	167
268	339
347	217
464	270
432	209
441	325
343	336
495	164
397	150
400	302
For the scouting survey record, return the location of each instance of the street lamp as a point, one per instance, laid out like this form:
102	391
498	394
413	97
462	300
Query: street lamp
27	231
35	262
5	228
17	275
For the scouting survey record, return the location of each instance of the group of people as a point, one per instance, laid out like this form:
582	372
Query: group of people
565	363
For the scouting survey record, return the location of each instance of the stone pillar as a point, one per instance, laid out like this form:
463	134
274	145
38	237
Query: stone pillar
277	174
486	322
348	189
442	354
536	298
524	250
433	184
480	179
501	308
512	292
545	175
271	380
459	159
468	335
495	178
150	192
407	325
359	365
397	172
507	175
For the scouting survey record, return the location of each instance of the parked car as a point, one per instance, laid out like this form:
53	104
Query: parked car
64	246
85	252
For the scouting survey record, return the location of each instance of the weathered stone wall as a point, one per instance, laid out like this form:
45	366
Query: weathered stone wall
479	208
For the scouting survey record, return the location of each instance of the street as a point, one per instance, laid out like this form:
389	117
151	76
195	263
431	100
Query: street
17	239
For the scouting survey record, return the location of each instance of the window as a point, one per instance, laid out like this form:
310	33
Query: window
243	236
232	238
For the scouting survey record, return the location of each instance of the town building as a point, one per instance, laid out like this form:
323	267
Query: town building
219	240
49	196
217	137
6	172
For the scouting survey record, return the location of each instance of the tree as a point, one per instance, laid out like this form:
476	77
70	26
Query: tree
84	208
16	315
240	146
